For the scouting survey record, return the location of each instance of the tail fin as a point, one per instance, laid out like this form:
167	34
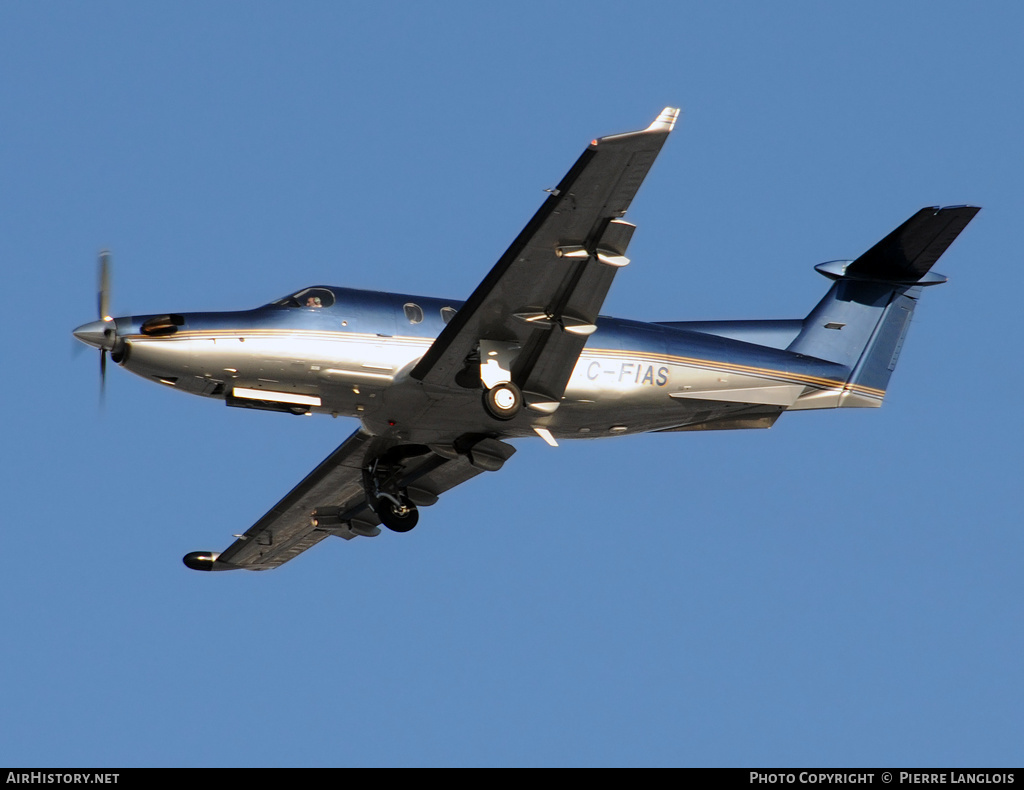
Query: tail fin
863	319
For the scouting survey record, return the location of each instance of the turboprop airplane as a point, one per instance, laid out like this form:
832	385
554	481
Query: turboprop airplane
440	386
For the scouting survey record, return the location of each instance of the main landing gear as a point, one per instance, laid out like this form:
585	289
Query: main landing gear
392	505
503	401
397	513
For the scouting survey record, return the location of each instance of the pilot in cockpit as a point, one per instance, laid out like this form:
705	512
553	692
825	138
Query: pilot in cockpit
313	301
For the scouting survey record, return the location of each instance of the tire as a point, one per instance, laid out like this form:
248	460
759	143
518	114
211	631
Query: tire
503	401
395	521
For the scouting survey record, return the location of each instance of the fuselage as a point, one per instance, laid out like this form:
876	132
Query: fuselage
347	352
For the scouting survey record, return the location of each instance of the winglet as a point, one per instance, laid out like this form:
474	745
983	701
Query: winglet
665	122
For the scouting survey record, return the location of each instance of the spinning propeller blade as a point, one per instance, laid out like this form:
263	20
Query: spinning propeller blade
103	298
103	377
101	334
104	285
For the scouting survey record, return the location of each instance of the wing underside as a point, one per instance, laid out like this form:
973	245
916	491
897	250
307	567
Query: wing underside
332	499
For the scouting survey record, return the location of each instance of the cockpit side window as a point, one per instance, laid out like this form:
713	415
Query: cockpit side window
312	298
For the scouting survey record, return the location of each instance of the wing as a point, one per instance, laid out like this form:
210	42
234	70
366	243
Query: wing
332	499
541	300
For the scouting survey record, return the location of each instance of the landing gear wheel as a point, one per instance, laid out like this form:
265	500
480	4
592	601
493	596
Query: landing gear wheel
503	401
398	518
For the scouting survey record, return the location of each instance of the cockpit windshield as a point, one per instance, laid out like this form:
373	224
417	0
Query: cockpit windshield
310	297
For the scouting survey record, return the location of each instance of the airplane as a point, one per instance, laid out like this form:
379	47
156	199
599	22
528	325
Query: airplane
440	386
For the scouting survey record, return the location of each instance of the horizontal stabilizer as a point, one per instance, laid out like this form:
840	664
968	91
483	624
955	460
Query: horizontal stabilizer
906	254
776	395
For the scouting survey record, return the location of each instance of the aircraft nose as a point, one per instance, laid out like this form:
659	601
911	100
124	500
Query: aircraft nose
96	333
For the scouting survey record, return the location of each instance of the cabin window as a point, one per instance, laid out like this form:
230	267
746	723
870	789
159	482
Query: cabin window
313	298
413	312
448	313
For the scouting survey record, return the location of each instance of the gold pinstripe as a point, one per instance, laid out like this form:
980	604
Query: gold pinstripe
731	367
587	353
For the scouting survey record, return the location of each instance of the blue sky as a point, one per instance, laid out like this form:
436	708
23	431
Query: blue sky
842	590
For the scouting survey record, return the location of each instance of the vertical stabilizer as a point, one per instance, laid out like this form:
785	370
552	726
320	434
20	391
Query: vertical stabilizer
863	319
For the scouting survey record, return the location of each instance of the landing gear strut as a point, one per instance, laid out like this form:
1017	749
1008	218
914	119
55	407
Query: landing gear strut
503	401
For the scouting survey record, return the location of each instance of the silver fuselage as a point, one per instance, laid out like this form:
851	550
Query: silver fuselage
352	359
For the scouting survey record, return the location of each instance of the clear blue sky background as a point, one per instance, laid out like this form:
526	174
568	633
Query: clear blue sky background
844	589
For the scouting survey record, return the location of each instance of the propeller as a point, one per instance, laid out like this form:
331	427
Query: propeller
103	299
101	334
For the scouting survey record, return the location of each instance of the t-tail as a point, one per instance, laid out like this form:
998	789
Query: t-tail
863	319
